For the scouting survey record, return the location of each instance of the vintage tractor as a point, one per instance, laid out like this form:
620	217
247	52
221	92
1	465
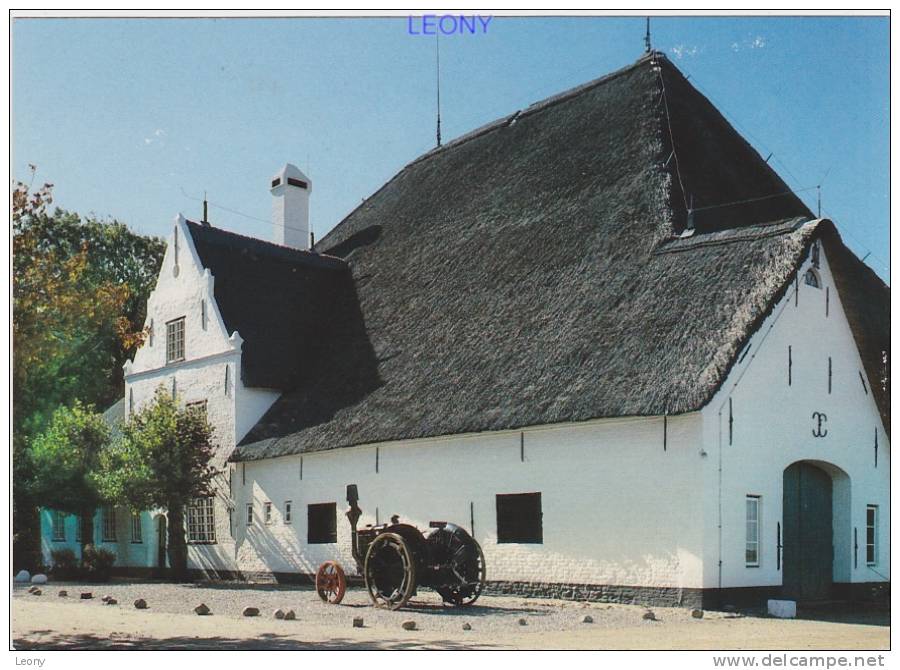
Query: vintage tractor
396	558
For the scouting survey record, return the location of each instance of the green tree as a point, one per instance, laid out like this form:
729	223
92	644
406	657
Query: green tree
80	288
65	460
162	460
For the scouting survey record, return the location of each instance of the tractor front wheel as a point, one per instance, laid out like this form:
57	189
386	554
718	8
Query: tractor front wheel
331	583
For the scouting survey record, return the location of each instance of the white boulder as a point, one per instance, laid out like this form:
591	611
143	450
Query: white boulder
23	576
39	579
783	609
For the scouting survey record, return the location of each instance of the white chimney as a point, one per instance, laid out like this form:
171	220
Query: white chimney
290	207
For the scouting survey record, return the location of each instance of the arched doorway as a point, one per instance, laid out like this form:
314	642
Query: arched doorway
808	532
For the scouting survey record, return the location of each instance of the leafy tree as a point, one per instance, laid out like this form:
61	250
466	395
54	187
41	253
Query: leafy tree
162	460
65	461
79	293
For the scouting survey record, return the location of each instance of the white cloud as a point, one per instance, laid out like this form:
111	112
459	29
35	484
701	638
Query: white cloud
681	51
758	43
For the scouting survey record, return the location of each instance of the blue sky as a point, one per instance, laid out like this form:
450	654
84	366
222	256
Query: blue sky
134	118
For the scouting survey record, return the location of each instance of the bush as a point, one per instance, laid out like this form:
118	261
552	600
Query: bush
64	564
96	563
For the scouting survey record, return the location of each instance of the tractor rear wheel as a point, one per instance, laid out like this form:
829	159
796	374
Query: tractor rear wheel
390	571
331	583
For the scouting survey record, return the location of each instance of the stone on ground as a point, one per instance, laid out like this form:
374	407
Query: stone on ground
587	619
409	624
278	614
36	592
650	615
522	622
201	610
140	604
357	622
697	614
23	576
112	601
290	615
32	589
63	594
251	611
39	579
783	609
87	595
467	626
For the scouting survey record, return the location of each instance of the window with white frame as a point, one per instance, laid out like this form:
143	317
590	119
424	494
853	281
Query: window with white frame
267	508
751	556
59	526
137	532
175	341
201	521
79	528
287	511
871	534
249	514
109	524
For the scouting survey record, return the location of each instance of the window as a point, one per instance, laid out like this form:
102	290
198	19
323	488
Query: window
198	406
321	523
59	526
203	314
150	333
79	528
109	524
812	279
137	532
751	556
175	341
871	534
267	512
249	514
201	521
519	518
287	511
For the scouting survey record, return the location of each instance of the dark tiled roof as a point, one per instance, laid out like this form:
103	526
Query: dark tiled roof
530	273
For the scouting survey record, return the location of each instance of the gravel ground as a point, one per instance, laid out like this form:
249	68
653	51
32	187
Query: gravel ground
490	613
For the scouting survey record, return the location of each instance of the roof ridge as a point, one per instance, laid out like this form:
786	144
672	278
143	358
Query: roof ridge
538	106
285	251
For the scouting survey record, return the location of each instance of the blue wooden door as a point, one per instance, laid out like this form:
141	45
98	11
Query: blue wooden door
807	527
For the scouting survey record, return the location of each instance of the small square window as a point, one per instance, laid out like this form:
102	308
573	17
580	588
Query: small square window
267	508
287	511
198	406
250	514
321	523
520	518
872	535
175	341
59	526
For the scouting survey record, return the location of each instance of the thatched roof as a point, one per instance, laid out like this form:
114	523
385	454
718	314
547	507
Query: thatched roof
531	273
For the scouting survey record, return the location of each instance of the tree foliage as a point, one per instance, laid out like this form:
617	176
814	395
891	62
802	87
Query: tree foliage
161	460
79	294
65	461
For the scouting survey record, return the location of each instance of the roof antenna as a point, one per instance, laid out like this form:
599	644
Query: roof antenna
205	221
437	54
647	37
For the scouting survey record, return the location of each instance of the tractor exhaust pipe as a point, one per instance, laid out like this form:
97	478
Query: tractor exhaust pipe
353	513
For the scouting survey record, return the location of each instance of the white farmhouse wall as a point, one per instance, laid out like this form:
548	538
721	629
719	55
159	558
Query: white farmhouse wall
617	508
211	371
773	428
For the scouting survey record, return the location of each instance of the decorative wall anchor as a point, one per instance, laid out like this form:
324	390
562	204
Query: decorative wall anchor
820	430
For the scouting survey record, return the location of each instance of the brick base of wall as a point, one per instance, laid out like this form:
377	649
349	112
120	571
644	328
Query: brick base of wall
660	596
